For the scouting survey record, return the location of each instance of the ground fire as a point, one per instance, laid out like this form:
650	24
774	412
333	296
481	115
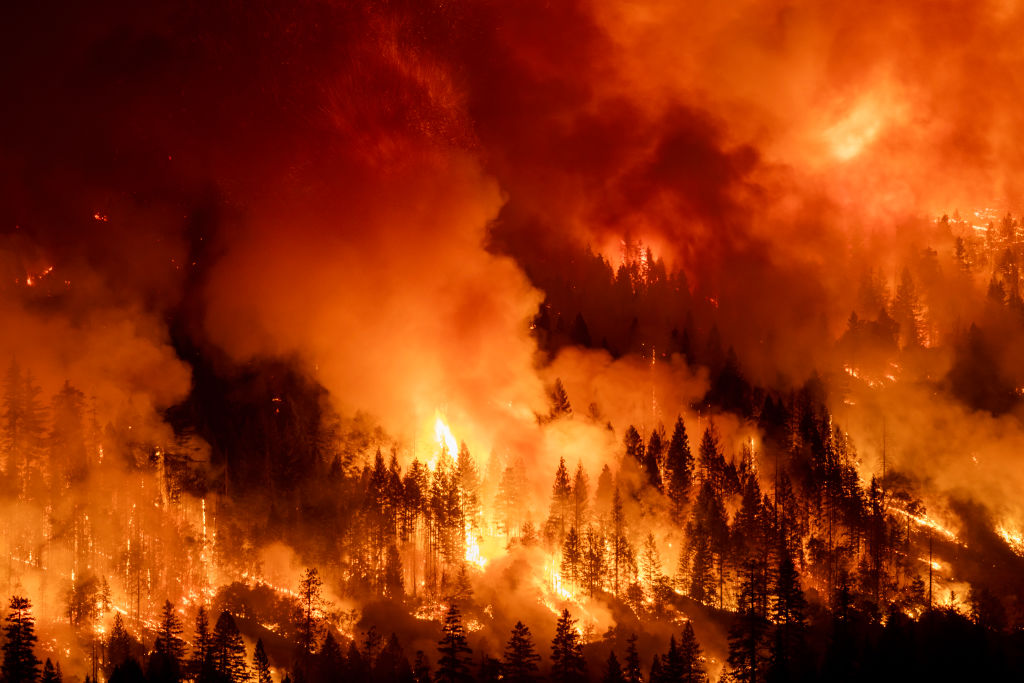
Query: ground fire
565	340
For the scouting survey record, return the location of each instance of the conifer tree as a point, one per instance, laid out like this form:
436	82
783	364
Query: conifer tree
454	653
561	505
613	670
747	634
520	660
580	496
572	558
166	659
560	406
168	640
260	663
311	603
634	447
119	644
421	668
622	552
593	561
567	663
652	460
671	662
632	669
227	651
199	663
679	469
20	663
691	670
788	613
49	673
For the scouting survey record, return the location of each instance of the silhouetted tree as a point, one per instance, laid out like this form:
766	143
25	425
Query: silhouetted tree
560	406
119	644
690	668
679	469
561	505
520	660
199	663
421	668
747	634
311	603
260	663
50	674
20	662
454	653
612	670
632	669
567	663
227	651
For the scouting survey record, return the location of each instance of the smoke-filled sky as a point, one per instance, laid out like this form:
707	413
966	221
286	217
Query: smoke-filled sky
352	183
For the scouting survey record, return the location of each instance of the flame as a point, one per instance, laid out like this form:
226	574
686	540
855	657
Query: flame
445	438
1013	538
473	555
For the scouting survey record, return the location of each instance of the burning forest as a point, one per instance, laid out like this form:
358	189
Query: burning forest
473	341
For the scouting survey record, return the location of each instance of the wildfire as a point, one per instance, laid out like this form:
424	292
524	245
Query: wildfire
928	522
1012	537
445	439
473	555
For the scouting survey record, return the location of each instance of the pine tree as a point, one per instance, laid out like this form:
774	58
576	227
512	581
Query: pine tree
572	558
421	668
455	654
747	634
199	663
567	663
593	561
49	673
650	564
20	662
561	504
260	663
634	447
702	580
612	670
119	644
165	661
520	660
227	652
652	460
622	552
679	468
788	610
168	640
311	603
560	405
691	670
632	671
671	662
580	496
